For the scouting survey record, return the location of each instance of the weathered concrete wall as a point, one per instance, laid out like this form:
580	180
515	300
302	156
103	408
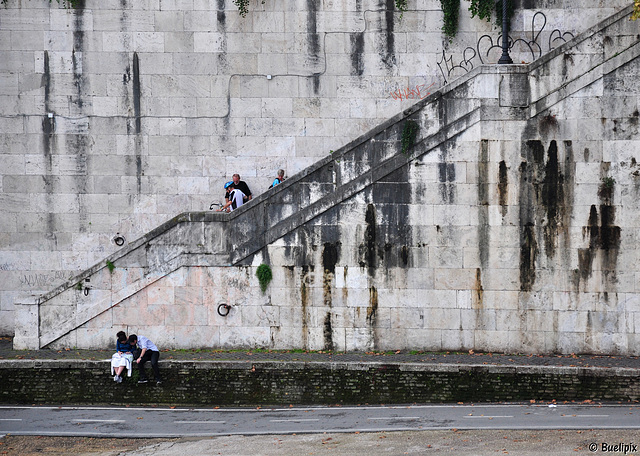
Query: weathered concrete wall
118	115
267	383
510	226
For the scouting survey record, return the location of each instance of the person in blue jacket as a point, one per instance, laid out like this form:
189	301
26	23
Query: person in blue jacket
122	358
279	179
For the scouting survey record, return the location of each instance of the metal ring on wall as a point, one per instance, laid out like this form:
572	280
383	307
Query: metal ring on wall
119	240
223	310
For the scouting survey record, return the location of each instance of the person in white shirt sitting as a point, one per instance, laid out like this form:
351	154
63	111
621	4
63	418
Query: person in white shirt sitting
147	351
236	198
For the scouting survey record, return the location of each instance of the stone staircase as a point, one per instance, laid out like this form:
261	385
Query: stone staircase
487	93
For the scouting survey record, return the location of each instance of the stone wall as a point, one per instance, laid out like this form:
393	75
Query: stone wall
118	115
265	383
509	226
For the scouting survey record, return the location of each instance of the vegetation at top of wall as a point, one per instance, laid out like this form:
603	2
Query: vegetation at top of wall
482	8
264	276
65	3
485	8
243	6
451	11
636	10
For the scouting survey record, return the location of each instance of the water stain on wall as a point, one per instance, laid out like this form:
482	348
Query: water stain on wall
503	187
306	279
79	143
544	206
368	249
221	15
478	296
483	203
328	332
330	254
48	142
372	314
604	239
446	178
314	39
386	47
357	53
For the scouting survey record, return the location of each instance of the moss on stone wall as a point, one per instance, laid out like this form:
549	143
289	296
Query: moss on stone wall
227	384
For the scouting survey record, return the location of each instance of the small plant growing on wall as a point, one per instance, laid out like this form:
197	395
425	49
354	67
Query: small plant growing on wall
409	133
608	182
264	276
110	266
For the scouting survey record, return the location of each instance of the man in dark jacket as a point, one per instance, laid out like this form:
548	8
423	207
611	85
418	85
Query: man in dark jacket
240	185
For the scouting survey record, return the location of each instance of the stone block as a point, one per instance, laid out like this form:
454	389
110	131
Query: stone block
231	337
171	21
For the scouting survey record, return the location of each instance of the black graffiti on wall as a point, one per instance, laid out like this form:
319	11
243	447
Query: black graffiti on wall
489	51
42	280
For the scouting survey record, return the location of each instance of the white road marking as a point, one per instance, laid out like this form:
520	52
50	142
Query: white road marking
10	419
396	418
294	420
200	422
100	421
488	416
586	416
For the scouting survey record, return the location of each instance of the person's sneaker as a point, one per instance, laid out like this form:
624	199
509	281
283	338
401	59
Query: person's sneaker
158	382
119	379
115	378
143	380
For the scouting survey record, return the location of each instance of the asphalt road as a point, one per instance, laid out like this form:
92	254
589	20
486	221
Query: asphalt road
184	422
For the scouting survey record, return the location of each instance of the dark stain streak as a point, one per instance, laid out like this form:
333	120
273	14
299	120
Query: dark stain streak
503	187
404	255
221	15
372	314
544	206
330	255
137	92
137	95
447	177
48	129
604	238
528	255
552	199
314	39
328	332
387	52
370	239
483	203
357	53
304	300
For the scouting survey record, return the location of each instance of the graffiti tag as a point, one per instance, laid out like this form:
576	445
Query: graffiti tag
409	93
41	280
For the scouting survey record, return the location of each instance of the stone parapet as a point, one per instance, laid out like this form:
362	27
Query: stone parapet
263	383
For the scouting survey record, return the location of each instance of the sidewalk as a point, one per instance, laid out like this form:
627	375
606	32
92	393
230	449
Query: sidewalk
399	357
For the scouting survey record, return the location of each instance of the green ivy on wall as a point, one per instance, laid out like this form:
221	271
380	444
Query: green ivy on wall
485	8
482	8
264	276
451	10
